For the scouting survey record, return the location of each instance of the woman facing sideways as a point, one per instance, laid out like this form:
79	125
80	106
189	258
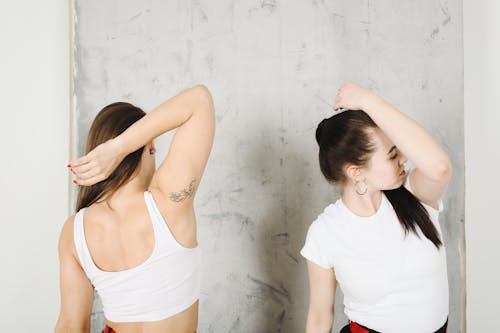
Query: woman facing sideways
381	241
133	238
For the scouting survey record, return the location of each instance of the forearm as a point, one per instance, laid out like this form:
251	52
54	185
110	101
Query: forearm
317	323
171	114
411	138
63	326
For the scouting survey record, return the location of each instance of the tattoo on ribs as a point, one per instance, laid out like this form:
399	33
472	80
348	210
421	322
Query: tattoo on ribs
183	194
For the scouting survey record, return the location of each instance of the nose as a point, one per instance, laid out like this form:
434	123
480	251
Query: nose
403	159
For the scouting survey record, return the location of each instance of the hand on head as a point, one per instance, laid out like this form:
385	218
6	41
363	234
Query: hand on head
98	164
352	96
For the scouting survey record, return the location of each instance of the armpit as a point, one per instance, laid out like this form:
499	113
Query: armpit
183	194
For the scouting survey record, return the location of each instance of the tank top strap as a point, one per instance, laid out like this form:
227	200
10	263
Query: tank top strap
159	224
81	244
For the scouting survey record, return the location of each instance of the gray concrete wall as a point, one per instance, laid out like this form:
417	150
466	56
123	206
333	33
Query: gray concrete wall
273	68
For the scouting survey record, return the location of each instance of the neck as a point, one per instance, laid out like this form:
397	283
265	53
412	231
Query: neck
362	205
123	195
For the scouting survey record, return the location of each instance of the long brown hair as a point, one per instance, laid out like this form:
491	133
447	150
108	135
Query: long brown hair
345	139
110	122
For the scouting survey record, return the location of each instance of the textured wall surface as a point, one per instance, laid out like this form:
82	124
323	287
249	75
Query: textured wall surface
273	68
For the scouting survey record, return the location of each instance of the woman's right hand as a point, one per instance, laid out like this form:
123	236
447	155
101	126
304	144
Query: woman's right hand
353	97
98	164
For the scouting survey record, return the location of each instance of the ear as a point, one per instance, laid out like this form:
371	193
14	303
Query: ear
151	145
354	172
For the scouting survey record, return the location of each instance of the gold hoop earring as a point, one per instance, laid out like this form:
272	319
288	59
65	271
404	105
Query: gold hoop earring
363	189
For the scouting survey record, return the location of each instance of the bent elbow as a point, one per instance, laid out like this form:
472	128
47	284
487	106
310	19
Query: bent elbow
202	91
203	97
443	170
446	168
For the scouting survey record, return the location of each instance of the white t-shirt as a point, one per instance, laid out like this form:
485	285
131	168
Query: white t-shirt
392	282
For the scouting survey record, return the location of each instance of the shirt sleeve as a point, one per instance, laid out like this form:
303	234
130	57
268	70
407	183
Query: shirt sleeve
315	248
432	211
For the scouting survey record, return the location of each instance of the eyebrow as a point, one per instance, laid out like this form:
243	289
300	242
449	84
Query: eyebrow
393	147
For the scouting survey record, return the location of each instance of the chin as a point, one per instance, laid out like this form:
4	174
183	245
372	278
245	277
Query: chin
397	184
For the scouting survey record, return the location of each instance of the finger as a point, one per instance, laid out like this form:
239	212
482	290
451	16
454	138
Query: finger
89	174
337	104
80	161
83	168
338	107
89	181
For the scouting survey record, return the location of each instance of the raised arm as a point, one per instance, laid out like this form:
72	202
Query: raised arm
77	293
180	173
322	286
191	112
432	174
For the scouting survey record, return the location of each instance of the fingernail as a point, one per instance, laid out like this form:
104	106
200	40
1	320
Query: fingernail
68	166
74	181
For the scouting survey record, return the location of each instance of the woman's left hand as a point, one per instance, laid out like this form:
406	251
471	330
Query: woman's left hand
353	97
98	164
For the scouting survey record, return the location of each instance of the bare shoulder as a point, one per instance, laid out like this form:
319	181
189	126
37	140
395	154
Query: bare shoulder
66	242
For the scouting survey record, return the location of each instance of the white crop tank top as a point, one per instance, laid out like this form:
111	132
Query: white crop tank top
167	283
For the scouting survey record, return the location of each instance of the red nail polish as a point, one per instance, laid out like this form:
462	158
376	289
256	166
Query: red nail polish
68	166
74	181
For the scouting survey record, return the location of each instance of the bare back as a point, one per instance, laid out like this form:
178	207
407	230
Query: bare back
123	238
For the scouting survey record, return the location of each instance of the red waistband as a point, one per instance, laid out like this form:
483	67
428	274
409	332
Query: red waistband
356	328
108	329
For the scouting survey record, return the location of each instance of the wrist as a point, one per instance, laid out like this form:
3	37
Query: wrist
119	145
372	102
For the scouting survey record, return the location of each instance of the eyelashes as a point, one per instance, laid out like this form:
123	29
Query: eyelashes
396	154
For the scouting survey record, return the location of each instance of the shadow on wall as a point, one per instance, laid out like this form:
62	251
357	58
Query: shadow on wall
278	283
274	283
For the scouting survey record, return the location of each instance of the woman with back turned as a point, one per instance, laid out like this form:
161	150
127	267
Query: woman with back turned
381	241
133	237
